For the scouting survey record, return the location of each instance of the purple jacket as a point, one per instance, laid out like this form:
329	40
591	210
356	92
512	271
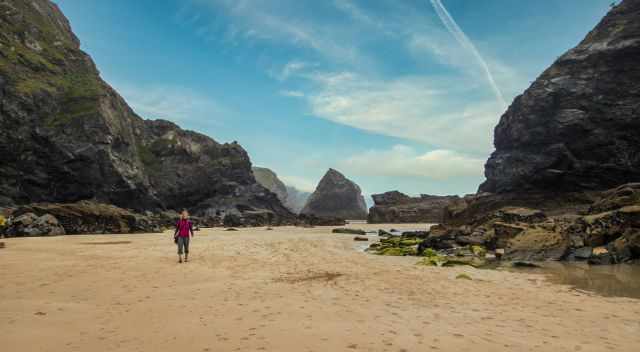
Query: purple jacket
183	228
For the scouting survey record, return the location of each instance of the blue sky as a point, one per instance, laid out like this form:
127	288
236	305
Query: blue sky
396	94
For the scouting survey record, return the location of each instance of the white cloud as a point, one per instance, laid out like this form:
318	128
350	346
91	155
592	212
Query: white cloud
267	21
292	93
417	108
300	183
452	108
290	68
171	103
358	14
437	46
402	160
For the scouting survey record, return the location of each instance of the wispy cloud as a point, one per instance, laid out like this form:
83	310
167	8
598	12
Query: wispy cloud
417	108
292	93
357	13
404	161
450	101
267	21
171	103
300	183
290	68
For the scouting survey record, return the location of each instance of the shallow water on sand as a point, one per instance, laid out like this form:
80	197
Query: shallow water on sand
622	280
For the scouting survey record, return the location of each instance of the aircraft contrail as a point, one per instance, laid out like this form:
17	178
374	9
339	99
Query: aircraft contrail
463	40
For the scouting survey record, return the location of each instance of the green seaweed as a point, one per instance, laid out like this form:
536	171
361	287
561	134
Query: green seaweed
478	251
436	260
430	252
397	251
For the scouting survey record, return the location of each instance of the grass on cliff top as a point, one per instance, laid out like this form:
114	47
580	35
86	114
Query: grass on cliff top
58	69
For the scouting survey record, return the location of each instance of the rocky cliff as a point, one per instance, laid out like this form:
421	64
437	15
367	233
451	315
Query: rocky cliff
269	179
576	127
396	207
336	196
296	199
66	135
292	198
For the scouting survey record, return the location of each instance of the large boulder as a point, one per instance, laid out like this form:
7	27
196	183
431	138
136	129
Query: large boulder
624	195
66	135
396	207
536	243
336	196
30	224
576	127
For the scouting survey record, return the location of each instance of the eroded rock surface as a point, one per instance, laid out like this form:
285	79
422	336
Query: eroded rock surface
82	217
336	196
66	135
576	127
396	207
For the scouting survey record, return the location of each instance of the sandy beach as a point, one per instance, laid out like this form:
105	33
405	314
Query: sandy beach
289	289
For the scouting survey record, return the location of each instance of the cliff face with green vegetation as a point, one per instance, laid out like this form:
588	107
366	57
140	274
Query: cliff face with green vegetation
66	135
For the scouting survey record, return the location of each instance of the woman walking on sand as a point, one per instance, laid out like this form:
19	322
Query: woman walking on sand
184	228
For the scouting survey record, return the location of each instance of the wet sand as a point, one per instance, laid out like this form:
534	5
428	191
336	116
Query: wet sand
290	289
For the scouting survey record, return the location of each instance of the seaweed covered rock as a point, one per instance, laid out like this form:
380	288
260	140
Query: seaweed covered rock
80	218
30	224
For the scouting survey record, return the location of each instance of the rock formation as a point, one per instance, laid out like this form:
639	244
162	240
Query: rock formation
30	224
81	218
573	133
609	233
396	207
66	135
336	196
296	199
571	136
292	198
576	127
268	179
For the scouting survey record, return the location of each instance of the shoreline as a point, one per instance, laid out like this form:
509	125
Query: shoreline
288	289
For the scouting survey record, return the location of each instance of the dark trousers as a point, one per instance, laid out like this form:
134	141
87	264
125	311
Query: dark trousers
183	244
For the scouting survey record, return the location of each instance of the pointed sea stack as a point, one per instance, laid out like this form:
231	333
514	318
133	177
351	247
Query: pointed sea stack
336	196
